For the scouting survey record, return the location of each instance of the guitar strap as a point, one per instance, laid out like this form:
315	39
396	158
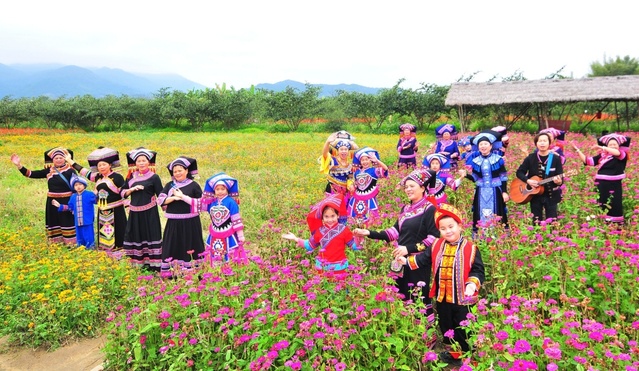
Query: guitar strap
548	164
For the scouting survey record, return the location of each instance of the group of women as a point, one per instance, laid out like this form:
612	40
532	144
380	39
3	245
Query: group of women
140	234
351	172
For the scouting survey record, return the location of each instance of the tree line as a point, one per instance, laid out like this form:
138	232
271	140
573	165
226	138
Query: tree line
230	109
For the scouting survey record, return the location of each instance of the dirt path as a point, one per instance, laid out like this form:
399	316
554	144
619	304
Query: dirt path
84	355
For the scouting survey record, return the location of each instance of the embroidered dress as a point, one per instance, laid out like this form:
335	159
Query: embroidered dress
449	149
60	227
362	206
407	148
111	214
183	230
332	242
223	242
489	175
143	234
608	180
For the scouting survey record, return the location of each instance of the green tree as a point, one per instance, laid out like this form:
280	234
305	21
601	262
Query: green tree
360	106
426	104
292	106
615	67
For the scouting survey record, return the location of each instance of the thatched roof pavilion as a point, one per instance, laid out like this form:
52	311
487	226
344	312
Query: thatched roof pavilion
609	88
604	89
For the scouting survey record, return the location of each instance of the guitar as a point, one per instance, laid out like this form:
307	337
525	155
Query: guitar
522	192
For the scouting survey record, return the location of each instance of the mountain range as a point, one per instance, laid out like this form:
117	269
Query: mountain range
55	80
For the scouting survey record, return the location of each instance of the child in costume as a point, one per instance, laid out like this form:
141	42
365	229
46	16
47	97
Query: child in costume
458	273
467	146
81	205
407	145
329	235
362	206
226	232
439	164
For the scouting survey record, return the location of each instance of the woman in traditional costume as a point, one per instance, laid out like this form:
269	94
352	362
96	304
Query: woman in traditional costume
60	227
488	171
413	232
182	243
362	206
143	235
108	184
611	159
226	232
447	143
407	145
336	164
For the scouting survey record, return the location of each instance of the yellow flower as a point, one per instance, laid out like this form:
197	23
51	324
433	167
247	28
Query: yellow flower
52	311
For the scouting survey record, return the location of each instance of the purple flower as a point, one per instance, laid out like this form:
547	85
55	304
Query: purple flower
521	346
501	335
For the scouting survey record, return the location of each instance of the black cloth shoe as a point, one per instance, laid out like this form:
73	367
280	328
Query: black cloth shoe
448	358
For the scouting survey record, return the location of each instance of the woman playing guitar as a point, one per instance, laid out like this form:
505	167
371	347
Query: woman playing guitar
542	163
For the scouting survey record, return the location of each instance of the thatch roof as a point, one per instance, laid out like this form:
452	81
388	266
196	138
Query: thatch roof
612	88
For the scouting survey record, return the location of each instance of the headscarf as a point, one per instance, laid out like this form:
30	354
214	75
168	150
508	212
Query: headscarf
314	217
78	179
423	177
190	164
443	161
487	135
624	141
231	185
50	154
446	128
366	151
409	126
105	154
134	154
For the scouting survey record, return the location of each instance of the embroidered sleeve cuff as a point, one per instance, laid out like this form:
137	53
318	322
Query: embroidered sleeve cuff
474	280
429	240
412	262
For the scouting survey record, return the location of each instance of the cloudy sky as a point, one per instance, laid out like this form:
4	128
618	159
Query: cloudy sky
371	43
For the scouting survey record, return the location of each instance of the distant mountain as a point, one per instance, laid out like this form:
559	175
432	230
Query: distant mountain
327	90
54	80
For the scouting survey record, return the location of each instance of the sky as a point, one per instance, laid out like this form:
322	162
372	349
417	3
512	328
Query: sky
371	43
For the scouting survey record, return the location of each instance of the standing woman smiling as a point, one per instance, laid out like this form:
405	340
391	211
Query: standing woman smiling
143	235
611	159
60	226
108	184
543	163
182	243
488	171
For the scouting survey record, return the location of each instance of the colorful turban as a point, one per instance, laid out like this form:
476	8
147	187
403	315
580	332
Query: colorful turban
447	210
446	128
50	154
411	127
231	184
134	154
443	161
486	135
107	155
624	141
423	177
556	133
366	151
465	141
190	164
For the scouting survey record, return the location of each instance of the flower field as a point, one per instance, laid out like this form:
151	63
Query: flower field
560	296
